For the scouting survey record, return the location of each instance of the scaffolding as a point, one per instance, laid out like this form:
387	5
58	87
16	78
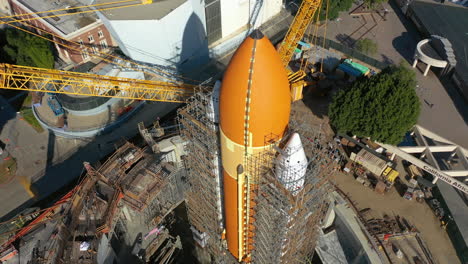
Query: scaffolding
133	182
203	197
286	221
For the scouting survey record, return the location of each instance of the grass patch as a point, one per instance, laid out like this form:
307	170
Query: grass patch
27	101
29	117
7	170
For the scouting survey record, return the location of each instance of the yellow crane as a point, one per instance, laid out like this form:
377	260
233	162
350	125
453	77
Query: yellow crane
85	84
295	33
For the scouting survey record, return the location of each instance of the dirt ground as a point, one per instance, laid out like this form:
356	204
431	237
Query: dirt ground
409	248
417	214
7	170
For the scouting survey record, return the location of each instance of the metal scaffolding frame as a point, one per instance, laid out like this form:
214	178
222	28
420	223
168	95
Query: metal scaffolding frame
283	223
202	163
286	224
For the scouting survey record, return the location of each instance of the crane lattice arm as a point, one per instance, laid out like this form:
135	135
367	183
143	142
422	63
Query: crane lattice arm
85	84
297	29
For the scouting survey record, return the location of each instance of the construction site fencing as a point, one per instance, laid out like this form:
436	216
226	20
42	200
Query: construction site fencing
348	51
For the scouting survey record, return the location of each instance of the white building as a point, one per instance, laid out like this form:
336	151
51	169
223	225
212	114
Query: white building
181	33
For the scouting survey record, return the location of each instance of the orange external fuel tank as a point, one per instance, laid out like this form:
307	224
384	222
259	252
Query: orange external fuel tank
254	113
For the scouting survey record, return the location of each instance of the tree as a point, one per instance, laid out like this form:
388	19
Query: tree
371	4
383	107
28	50
334	8
367	46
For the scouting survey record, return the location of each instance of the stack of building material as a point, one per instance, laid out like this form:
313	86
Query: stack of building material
369	161
353	68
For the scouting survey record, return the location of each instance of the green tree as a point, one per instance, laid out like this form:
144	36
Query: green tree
334	8
367	46
28	50
383	107
370	4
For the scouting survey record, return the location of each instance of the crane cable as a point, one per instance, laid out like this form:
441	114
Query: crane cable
67	9
80	51
325	33
74	13
314	38
304	64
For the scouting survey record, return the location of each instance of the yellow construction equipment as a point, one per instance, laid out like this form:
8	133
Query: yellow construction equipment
84	84
390	174
295	33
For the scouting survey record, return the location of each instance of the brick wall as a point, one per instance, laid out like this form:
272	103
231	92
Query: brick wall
95	38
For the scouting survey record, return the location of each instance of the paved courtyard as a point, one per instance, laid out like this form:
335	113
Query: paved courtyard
397	38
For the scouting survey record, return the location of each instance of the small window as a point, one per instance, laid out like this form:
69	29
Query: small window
85	55
90	38
100	34
103	44
95	50
81	42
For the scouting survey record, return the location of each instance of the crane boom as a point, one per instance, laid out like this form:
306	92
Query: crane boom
85	84
297	29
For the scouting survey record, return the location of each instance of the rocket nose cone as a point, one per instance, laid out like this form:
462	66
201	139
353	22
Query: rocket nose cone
255	96
294	142
256	34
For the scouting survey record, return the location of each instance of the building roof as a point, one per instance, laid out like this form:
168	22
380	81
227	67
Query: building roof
154	11
65	24
449	21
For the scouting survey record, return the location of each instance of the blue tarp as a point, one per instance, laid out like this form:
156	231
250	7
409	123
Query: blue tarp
349	70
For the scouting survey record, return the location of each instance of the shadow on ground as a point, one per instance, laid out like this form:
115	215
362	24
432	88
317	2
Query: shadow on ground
387	60
6	112
345	39
405	45
317	104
